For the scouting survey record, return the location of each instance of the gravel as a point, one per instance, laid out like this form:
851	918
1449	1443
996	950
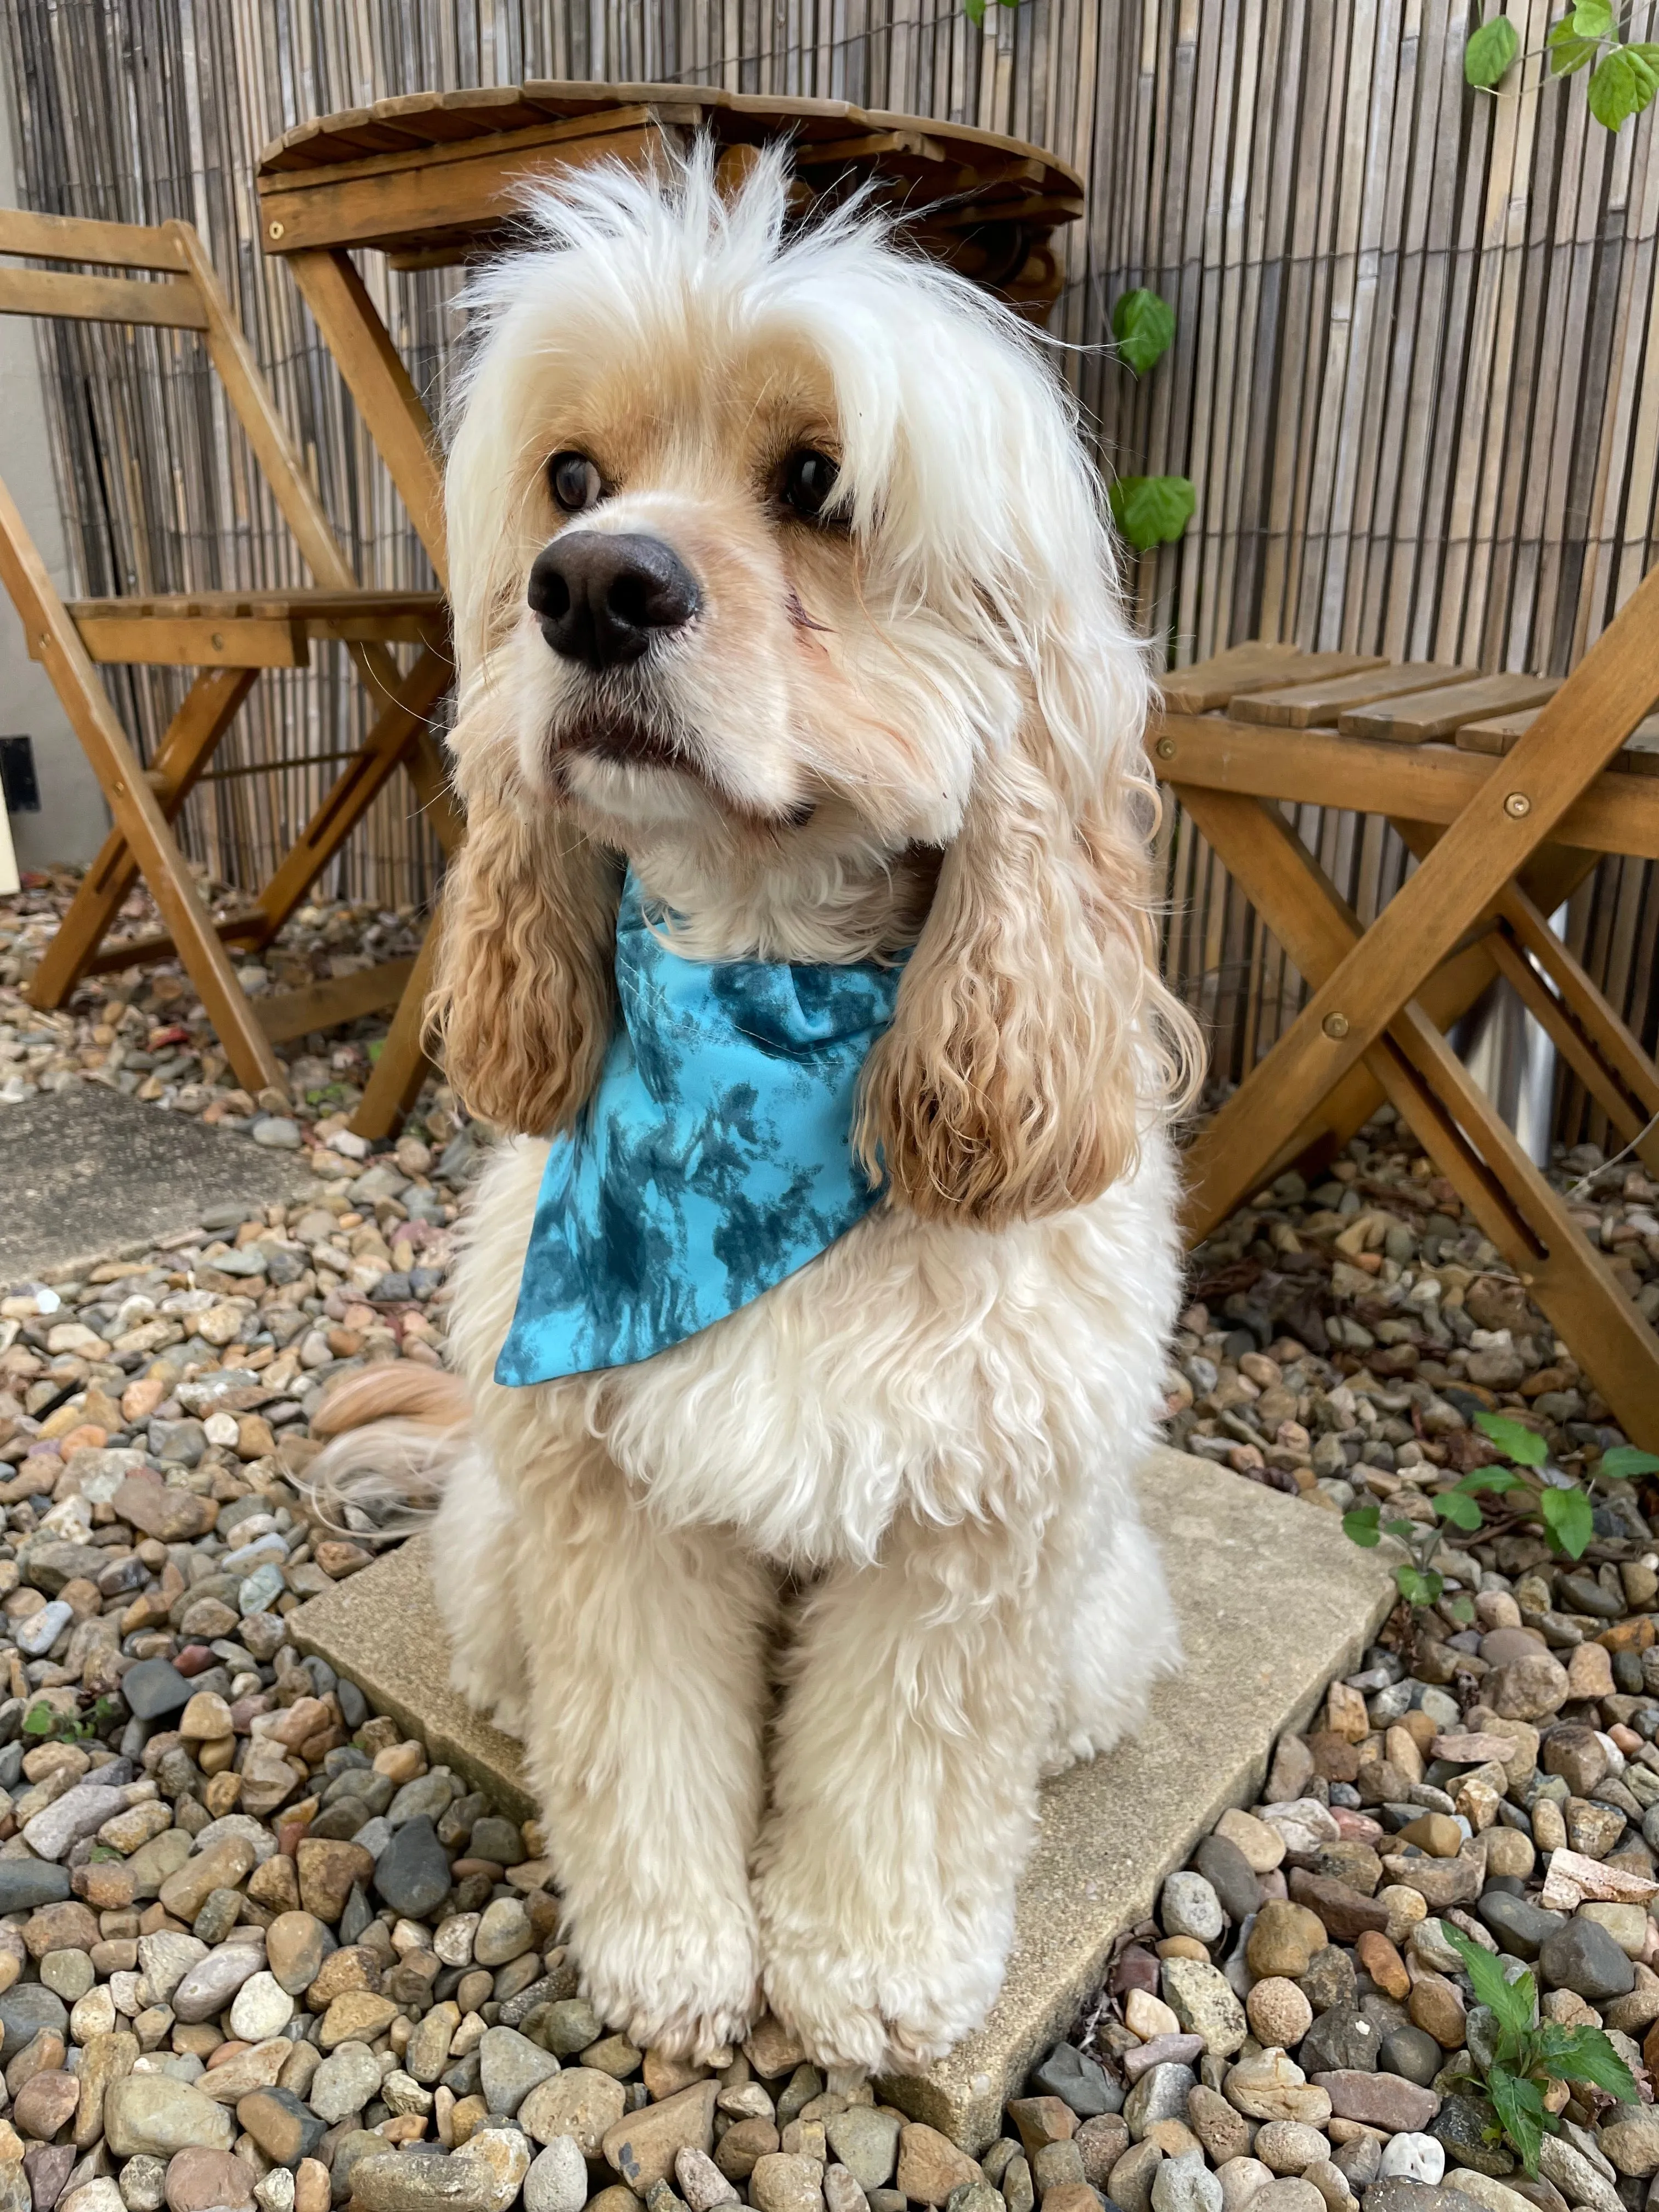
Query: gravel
257	1950
1341	1336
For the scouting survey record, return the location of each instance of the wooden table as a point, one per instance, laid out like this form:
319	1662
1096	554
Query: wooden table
434	179
1463	765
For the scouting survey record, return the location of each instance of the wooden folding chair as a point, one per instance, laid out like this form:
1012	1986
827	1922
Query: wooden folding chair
228	637
1505	823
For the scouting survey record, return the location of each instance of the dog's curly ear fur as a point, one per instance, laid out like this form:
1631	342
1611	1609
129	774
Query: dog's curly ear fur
1033	1037
524	999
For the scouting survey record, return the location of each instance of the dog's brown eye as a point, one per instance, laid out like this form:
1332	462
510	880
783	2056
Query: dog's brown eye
574	480
808	478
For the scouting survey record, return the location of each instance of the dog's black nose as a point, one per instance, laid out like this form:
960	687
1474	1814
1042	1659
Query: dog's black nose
601	596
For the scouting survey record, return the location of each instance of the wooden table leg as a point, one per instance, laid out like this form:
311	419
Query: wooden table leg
1451	1116
137	813
375	376
1512	813
207	711
401	1068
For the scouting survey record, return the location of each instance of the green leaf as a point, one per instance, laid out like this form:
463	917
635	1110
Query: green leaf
1585	2054
1151	511
1593	19
1360	1522
1402	1528
1459	1508
1511	2003
1624	84
1568	53
1489	53
1143	326
973	10
1499	1479
1417	1587
39	1720
1569	1520
1513	1438
1626	1460
1461	1608
1519	2106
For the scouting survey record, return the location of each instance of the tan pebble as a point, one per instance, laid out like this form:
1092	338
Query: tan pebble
1284	1939
404	1762
1509	1852
1174	2138
1263	1845
930	2165
1332	2184
1146	2015
1278	2012
1131	2184
1224	2133
1589	1672
1383	1963
1437	1833
1288	2147
1183	1946
1406	1907
1399	1750
1242	2179
1437	2005
206	1718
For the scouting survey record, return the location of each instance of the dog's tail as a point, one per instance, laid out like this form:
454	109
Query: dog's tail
394	1434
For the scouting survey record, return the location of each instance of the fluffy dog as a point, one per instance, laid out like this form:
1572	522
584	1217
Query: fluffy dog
792	1616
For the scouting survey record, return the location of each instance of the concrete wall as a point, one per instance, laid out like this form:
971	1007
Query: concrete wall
73	818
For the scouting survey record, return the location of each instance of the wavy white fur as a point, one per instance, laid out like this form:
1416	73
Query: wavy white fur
792	1616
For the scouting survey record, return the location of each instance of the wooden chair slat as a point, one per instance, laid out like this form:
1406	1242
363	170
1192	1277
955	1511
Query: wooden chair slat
1304	706
1213	683
1428	715
78	238
171	303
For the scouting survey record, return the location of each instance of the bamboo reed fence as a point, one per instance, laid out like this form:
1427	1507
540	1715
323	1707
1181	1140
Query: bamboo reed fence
1415	380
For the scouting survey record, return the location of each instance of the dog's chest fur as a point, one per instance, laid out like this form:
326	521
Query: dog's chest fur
953	1373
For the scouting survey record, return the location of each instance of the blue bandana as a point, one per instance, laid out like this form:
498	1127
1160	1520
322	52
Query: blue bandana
713	1159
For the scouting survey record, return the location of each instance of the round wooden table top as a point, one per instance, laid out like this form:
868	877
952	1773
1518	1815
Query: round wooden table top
431	178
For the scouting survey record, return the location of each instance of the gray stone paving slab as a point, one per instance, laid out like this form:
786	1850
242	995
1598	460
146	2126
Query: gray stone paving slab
1273	1601
88	1173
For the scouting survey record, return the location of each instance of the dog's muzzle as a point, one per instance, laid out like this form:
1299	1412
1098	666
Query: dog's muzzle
602	596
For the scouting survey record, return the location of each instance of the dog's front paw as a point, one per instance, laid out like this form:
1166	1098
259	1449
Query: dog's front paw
503	1708
684	1979
892	2002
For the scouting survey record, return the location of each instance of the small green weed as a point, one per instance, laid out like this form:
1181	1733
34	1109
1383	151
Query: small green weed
1531	2053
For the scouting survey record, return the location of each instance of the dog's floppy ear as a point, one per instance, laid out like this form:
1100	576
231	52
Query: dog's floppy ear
1033	1037
524	998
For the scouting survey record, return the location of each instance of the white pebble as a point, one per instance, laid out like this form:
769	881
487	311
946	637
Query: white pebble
261	2007
1186	2184
557	2180
1412	2158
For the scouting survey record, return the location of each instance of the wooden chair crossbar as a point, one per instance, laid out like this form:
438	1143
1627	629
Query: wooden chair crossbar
1505	823
228	637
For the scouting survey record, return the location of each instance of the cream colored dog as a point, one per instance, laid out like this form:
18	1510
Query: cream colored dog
791	1616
